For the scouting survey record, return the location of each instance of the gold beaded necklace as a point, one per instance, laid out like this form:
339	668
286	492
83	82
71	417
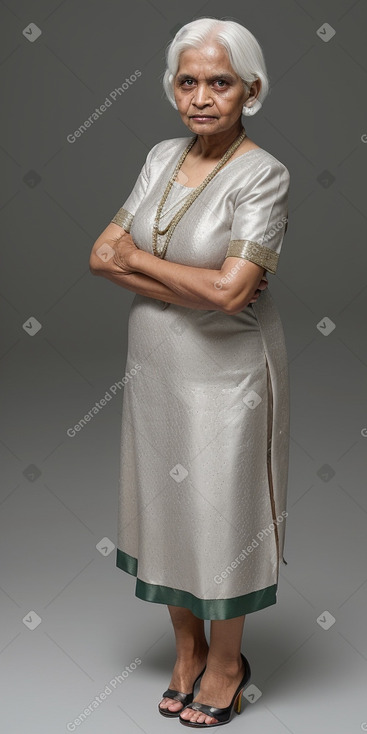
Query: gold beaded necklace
191	197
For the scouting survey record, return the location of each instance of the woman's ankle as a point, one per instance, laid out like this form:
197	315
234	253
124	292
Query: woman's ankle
226	665
188	653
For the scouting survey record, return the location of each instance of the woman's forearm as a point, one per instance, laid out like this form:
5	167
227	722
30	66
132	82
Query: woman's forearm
186	281
148	286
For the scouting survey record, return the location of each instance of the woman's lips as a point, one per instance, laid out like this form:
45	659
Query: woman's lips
202	117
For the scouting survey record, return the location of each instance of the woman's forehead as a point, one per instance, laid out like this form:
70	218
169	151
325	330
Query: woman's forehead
202	61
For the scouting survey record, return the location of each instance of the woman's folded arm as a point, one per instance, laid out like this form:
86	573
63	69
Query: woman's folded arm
228	289
102	264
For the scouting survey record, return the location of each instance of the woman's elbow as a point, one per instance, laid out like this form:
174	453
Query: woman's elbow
234	305
92	265
95	263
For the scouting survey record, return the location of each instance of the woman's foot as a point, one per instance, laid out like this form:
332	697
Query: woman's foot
217	688
184	674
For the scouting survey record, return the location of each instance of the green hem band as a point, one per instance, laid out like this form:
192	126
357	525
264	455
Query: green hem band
202	608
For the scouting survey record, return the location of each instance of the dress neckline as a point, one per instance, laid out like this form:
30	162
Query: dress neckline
253	150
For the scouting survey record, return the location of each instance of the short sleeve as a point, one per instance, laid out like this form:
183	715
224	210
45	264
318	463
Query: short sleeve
261	217
126	213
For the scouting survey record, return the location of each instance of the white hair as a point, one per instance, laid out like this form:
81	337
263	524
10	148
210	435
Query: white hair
244	52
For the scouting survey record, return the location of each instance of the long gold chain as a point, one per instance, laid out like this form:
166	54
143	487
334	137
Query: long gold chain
190	198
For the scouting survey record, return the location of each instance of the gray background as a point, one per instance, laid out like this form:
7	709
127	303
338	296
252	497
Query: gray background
59	494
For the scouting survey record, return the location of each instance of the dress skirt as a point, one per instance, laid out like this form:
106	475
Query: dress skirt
204	441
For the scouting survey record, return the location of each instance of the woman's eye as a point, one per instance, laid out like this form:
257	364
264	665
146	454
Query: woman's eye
217	81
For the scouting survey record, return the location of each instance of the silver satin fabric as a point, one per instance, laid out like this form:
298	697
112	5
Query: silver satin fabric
184	412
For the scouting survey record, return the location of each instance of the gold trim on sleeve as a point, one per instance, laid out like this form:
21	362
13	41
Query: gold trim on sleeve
123	218
254	252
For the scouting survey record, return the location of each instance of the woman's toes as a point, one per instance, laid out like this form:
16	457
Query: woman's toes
175	707
205	719
170	704
198	716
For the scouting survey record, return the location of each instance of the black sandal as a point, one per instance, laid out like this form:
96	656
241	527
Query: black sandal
184	698
223	715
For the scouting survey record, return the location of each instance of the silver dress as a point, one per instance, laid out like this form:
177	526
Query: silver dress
205	417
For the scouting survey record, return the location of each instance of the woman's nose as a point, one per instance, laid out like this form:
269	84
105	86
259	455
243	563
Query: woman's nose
201	95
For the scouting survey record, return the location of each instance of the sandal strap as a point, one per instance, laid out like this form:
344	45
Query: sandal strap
219	713
184	698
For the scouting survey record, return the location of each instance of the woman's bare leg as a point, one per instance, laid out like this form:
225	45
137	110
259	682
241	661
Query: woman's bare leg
224	668
191	650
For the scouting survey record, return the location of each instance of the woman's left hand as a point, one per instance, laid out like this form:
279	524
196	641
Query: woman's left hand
124	247
261	287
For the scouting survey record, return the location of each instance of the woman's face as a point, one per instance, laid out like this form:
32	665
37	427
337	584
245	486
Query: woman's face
206	84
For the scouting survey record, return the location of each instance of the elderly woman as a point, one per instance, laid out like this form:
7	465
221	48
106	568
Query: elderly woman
204	450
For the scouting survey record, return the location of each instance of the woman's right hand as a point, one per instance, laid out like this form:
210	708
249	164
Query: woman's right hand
261	287
124	247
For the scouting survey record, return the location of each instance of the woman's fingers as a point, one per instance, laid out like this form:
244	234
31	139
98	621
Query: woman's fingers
261	287
263	284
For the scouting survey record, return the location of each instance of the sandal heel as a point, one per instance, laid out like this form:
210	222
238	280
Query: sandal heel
238	703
